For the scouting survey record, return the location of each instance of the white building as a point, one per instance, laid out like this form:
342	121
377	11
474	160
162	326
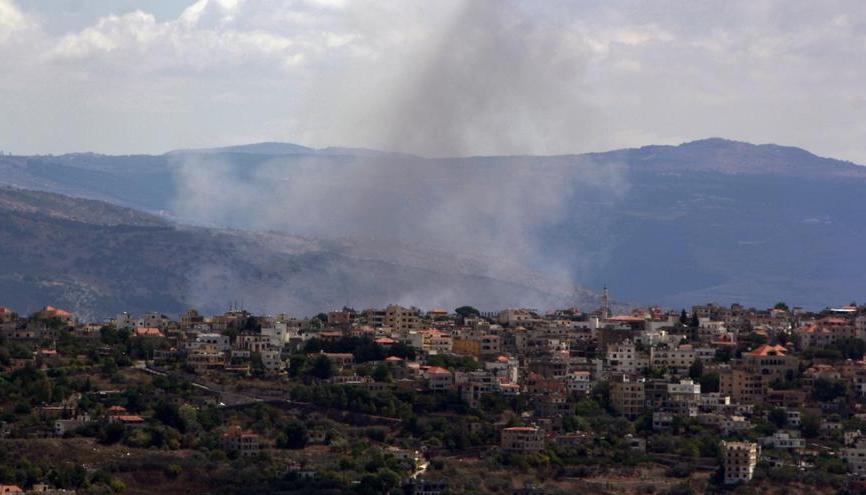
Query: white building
784	440
625	358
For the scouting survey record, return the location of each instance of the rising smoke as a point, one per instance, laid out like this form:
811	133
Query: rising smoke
491	81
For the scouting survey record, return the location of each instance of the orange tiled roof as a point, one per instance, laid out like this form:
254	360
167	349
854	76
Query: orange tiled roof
130	418
51	310
766	350
147	332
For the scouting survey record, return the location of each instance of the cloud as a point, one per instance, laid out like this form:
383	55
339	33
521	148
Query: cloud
285	69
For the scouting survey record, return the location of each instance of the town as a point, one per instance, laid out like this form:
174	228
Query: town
400	400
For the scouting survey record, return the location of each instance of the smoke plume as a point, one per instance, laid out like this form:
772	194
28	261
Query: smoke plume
492	80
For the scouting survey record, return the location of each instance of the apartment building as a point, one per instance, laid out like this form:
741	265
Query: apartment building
522	439
739	460
627	396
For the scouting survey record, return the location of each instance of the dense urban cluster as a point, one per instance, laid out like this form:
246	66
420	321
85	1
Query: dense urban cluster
399	400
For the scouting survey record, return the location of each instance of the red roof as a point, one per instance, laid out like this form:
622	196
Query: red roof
437	370
124	418
51	310
767	350
147	332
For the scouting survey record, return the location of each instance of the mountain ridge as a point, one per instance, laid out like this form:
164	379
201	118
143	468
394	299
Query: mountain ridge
673	225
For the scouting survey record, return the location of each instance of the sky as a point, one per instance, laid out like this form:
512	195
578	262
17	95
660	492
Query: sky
435	78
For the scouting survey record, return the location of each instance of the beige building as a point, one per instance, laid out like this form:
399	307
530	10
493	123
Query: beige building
627	395
399	319
522	439
244	442
739	461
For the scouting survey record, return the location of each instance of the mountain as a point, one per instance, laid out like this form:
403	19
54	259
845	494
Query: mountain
269	148
675	225
98	259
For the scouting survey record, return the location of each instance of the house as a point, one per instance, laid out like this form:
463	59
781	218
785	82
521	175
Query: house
439	379
49	312
243	442
219	341
150	332
61	426
855	456
340	360
127	420
522	439
10	489
662	420
579	382
205	357
739	460
426	487
783	440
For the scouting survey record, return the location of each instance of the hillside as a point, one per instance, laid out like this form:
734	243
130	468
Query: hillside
97	259
675	225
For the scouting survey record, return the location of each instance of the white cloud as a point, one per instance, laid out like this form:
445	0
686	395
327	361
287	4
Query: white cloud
328	72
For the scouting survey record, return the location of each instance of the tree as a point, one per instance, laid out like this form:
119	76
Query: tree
467	311
382	373
723	354
781	305
684	318
810	425
112	433
294	436
322	368
825	389
694	322
778	417
710	382
696	370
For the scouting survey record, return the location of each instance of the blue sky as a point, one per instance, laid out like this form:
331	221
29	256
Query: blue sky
436	78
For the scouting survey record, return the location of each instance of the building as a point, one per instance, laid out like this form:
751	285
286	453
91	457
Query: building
784	440
522	439
741	385
243	442
50	312
855	456
221	342
677	360
739	460
627	396
439	379
150	332
579	382
340	360
625	358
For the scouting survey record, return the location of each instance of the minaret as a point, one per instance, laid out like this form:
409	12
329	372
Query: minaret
605	304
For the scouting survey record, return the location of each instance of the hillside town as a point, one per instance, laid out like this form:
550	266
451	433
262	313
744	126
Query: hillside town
400	400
